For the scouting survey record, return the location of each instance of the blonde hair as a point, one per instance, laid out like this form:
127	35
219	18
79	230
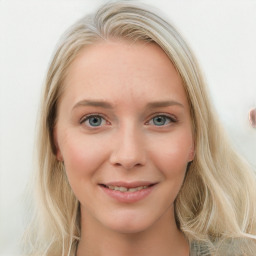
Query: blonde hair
216	206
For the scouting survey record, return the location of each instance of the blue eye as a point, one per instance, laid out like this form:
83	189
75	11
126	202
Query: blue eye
94	121
161	120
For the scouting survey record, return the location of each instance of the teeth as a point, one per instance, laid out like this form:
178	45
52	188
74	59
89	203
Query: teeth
134	189
124	189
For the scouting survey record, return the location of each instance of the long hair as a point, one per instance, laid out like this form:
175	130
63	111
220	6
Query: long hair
216	206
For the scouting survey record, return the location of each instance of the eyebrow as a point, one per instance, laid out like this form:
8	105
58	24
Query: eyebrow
167	103
104	104
93	103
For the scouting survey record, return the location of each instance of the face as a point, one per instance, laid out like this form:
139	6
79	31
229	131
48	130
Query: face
124	133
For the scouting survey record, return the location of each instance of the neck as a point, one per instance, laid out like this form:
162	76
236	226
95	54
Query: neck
162	238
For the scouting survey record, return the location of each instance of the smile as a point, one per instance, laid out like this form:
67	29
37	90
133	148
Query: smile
124	189
128	192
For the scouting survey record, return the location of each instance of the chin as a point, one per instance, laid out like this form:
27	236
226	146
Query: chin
129	224
135	229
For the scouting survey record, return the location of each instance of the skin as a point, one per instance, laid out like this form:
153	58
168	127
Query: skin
132	141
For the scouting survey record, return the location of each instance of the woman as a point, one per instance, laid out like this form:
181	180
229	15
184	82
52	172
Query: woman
132	159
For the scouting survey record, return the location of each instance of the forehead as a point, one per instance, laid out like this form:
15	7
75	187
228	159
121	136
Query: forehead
121	68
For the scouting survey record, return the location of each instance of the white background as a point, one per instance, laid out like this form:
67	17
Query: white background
222	34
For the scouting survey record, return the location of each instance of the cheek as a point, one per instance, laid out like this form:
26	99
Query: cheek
172	153
82	155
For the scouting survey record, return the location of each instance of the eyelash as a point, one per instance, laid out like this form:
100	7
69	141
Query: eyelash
171	119
96	115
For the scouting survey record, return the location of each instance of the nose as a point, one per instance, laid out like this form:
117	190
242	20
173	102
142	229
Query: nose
128	149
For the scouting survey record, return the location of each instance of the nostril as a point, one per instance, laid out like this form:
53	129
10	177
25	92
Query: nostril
128	165
127	154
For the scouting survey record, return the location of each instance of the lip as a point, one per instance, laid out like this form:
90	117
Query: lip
128	197
133	184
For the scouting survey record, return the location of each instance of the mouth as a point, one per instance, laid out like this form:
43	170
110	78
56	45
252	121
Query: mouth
127	189
124	192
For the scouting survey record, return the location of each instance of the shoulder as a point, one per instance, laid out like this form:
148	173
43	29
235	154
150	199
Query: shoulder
199	249
225	247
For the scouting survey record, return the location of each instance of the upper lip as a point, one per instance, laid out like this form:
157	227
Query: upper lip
133	184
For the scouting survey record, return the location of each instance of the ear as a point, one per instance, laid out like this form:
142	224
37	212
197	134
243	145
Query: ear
56	144
192	153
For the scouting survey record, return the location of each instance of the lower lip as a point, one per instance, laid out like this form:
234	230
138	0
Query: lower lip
128	197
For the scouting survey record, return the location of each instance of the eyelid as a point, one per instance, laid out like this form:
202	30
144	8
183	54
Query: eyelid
87	116
173	119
